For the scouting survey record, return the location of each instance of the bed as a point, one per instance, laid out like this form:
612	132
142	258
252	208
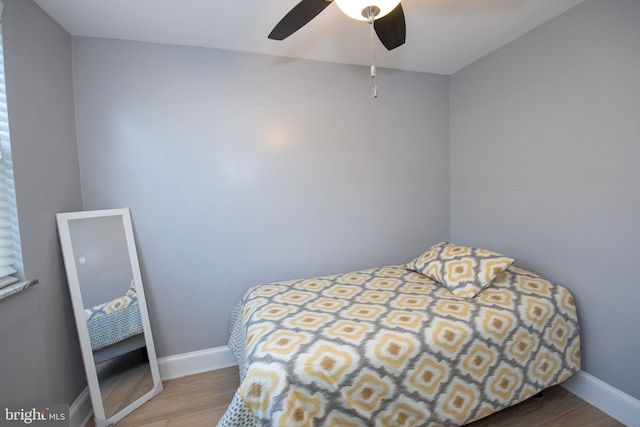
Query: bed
115	327
451	337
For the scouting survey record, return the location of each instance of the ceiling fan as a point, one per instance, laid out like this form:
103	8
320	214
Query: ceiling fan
386	16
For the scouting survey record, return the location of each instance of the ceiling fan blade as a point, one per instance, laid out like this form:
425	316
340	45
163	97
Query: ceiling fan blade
297	17
391	29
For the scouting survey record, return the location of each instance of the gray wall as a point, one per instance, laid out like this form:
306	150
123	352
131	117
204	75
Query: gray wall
242	169
546	154
39	349
106	273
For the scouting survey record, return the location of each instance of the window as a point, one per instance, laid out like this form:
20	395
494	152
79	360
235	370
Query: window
10	251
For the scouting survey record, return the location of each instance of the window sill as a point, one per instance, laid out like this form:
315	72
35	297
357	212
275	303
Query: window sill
7	291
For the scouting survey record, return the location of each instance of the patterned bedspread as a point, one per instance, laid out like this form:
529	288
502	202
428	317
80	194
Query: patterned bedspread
115	320
390	347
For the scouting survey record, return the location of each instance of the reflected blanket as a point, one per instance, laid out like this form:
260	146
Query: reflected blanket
390	347
115	320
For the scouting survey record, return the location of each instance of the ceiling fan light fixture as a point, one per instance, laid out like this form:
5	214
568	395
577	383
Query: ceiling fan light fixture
354	8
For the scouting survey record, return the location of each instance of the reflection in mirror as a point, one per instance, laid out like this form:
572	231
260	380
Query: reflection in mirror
110	311
123	380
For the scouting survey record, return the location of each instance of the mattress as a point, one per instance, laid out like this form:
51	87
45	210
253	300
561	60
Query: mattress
388	346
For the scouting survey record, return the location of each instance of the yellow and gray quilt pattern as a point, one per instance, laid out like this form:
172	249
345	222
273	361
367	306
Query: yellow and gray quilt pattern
390	347
115	320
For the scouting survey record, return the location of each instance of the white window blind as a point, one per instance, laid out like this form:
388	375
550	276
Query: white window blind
10	253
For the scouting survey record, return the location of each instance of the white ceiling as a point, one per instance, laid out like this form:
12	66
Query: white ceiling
443	36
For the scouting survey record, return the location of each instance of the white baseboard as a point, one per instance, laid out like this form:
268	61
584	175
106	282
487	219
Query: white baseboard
195	362
81	411
608	399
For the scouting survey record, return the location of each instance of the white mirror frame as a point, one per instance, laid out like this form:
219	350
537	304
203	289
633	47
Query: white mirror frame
78	310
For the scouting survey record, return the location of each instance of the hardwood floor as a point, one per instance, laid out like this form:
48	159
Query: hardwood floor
200	400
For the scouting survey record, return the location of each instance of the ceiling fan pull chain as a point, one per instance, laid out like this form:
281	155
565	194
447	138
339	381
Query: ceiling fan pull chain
374	90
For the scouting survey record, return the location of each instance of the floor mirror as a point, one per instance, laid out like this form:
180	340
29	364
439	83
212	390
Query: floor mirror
110	310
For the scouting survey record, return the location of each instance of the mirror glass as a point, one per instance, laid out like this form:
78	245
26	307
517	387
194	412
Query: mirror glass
110	311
